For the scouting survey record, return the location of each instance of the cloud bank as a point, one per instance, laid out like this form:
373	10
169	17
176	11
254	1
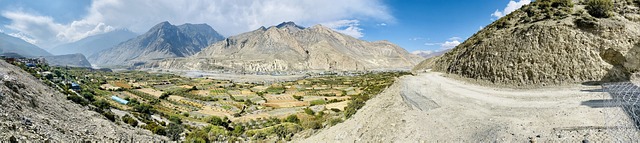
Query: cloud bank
229	17
512	6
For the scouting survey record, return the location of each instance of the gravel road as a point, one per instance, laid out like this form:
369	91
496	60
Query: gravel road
432	108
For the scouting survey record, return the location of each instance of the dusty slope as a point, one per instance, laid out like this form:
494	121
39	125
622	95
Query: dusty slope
430	108
542	44
31	111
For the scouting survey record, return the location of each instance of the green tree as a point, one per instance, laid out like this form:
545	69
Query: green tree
174	130
217	121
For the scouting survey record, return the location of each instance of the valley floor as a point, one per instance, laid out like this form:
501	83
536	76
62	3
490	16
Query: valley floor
432	108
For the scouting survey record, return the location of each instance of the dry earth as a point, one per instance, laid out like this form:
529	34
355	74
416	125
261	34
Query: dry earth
433	108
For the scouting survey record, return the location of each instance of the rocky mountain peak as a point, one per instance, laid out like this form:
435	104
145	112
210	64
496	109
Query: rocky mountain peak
162	41
162	25
289	24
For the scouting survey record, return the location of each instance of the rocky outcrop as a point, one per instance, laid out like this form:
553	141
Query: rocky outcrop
71	60
290	48
545	43
34	112
162	41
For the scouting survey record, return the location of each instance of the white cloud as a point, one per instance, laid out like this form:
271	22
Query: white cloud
229	17
43	31
432	44
24	37
512	6
382	24
449	44
455	39
349	27
415	38
422	52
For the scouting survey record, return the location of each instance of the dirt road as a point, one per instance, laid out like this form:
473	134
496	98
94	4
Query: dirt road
433	108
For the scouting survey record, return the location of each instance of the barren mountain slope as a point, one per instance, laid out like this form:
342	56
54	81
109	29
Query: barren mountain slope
548	43
161	41
32	111
288	47
432	108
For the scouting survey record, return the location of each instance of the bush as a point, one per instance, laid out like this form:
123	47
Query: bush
129	120
309	111
217	121
299	98
353	107
600	8
561	3
335	121
292	119
109	115
174	130
102	104
77	99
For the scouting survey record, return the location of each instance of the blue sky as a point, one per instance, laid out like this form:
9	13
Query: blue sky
412	24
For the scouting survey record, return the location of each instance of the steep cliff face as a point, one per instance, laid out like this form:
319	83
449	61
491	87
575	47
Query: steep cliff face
547	43
289	47
34	112
162	41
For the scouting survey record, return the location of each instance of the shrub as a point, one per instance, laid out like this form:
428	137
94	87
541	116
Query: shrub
109	115
174	130
353	107
217	121
292	119
102	104
561	3
77	99
309	111
129	120
600	8
299	98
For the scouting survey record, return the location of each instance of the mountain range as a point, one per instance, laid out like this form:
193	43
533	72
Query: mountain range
288	47
92	44
10	44
162	41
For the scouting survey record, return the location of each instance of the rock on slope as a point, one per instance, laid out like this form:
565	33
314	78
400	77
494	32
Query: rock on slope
547	42
162	41
288	47
92	44
32	111
10	44
72	60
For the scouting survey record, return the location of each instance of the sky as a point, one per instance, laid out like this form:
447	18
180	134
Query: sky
416	25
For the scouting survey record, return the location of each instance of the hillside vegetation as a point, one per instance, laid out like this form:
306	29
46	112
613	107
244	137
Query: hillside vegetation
551	42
